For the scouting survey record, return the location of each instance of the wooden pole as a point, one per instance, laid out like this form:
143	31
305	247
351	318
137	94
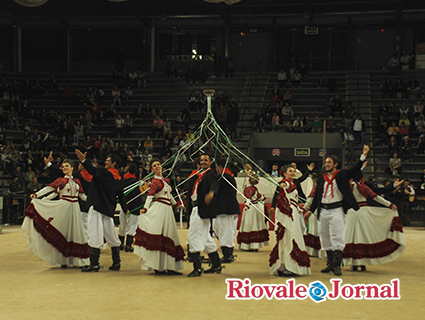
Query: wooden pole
324	143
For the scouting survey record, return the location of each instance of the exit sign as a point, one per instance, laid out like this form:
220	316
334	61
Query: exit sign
302	152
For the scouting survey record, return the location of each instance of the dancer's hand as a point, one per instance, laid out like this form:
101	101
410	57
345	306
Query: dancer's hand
364	165
49	158
81	156
365	149
209	197
311	166
33	196
143	210
398	183
306	214
393	206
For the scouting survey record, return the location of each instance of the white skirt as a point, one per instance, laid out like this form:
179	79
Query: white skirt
55	232
157	241
311	237
373	236
253	233
289	249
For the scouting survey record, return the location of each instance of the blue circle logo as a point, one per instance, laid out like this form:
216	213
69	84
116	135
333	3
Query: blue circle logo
317	291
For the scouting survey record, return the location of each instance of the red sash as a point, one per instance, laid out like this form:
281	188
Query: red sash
115	173
330	182
226	170
129	175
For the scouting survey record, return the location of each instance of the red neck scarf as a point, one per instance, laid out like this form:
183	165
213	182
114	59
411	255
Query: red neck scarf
226	170
330	182
86	176
129	175
115	173
195	186
194	172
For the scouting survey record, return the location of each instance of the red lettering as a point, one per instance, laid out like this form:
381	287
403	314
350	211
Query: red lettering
335	286
269	293
281	292
291	288
347	291
234	286
385	291
358	288
300	291
396	288
369	289
257	291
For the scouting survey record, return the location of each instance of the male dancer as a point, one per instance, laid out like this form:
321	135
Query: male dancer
129	223
332	200
105	187
227	208
203	209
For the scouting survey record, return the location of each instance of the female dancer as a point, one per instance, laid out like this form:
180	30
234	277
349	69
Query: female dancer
54	229
289	255
157	241
373	235
253	233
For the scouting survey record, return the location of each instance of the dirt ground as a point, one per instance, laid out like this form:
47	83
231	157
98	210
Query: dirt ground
31	289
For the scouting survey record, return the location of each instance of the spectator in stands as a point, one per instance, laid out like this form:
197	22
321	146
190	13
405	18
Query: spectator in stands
393	64
13	119
35	140
275	122
141	79
393	114
381	131
316	125
275	171
16	185
128	95
63	146
138	112
399	89
404	120
202	101
281	78
95	113
406	149
158	127
418	110
232	120
116	96
387	88
166	126
221	116
394	165
349	141
147	113
404	110
338	106
119	126
403	130
298	125
332	83
186	118
413	88
7	161
276	93
259	123
4	88
45	141
331	124
287	112
287	128
407	199
297	79
33	186
383	110
88	145
157	111
128	126
307	124
193	102
148	144
358	128
78	133
111	112
393	130
347	114
421	145
287	98
393	146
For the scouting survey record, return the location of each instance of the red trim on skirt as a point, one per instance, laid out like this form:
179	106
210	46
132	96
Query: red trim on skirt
55	238
312	241
253	236
157	242
370	251
300	257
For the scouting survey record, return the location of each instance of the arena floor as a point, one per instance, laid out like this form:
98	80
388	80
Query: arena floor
31	289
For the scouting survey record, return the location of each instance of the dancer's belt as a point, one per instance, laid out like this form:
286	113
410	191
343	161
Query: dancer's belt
164	201
194	203
331	205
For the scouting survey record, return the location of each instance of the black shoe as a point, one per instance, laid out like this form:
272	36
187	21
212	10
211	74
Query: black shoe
115	267
129	249
215	263
64	266
337	263
363	268
330	256
195	273
285	273
90	268
122	239
228	256
173	273
129	244
160	273
354	268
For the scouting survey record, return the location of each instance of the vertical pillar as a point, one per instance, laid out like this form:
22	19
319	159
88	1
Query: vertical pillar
152	47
